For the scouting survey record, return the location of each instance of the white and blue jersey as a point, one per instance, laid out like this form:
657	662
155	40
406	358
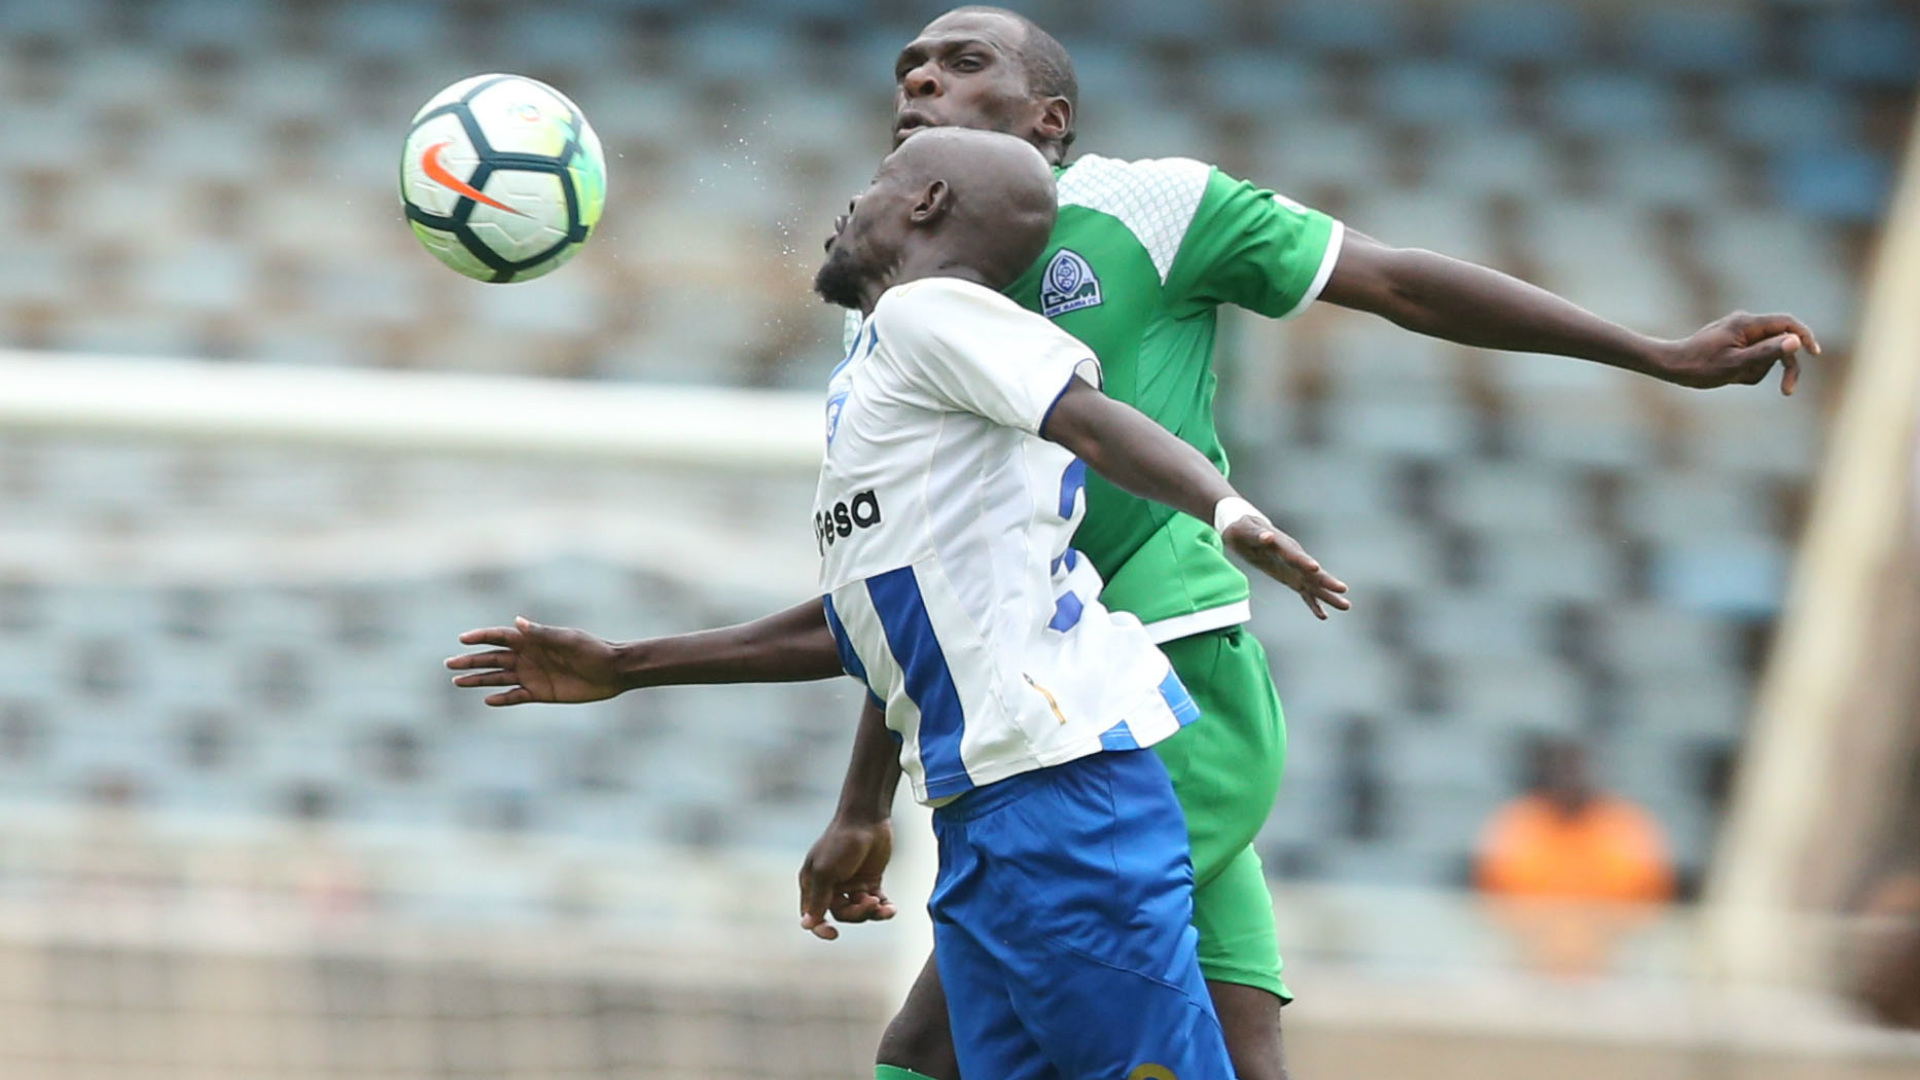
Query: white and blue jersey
944	521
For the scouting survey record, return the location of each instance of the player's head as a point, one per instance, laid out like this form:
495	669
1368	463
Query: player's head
953	201
988	68
1559	773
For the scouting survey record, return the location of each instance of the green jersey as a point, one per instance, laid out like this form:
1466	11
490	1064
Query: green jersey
1142	256
1140	260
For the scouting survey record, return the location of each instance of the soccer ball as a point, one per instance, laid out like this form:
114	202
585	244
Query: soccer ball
501	178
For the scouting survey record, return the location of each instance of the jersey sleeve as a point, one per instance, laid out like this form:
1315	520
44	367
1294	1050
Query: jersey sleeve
1254	248
967	349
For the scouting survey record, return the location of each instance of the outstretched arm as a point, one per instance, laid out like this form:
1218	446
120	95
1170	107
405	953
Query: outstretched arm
568	666
1139	456
1446	298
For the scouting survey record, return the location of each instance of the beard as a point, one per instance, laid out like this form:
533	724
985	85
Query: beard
839	279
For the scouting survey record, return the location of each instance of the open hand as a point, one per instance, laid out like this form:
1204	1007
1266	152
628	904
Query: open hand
841	877
1739	348
539	663
1281	558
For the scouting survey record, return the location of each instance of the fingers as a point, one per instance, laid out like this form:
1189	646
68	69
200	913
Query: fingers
1316	587
490	635
1754	361
519	695
860	905
816	894
487	678
1790	378
497	659
1759	326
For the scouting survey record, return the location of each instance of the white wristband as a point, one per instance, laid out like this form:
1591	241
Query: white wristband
1232	509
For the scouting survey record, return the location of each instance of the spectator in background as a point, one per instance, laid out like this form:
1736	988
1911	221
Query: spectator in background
1572	866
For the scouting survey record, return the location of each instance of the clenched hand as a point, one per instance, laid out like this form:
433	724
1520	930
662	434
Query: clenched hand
1739	348
841	877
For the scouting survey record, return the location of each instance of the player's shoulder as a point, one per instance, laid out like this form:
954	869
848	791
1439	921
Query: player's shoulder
1156	199
929	302
943	316
1097	182
1096	168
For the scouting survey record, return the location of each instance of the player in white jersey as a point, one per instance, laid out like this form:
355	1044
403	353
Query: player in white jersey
957	428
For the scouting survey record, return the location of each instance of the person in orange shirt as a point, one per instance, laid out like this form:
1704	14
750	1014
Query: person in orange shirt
1571	867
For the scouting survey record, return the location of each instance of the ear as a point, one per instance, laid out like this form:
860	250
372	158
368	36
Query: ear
934	204
1050	127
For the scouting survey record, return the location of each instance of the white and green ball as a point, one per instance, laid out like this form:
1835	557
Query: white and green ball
501	177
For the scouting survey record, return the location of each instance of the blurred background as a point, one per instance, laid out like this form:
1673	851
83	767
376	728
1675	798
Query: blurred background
261	460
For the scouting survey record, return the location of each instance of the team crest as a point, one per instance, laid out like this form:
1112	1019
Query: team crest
1068	285
835	405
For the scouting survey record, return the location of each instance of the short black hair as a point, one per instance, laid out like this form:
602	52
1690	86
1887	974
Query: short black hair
1049	69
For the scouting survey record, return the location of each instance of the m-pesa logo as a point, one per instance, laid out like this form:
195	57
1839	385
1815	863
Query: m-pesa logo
436	172
837	522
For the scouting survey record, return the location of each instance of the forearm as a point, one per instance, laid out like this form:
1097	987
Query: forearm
1135	454
873	775
791	646
1443	297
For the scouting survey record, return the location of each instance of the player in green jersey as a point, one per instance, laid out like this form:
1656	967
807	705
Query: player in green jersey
1143	255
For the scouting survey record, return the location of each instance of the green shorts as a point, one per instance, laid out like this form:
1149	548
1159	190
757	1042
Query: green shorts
1226	770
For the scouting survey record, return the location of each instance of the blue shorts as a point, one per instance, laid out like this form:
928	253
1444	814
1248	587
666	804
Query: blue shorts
1062	926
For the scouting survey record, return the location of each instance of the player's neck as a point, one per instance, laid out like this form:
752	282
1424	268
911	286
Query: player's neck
930	265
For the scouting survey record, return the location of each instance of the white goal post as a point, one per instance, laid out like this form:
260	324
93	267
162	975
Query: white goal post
419	412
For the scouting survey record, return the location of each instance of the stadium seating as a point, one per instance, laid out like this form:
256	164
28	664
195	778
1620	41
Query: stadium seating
1480	505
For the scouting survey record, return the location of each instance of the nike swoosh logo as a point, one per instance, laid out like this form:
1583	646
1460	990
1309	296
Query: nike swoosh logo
430	164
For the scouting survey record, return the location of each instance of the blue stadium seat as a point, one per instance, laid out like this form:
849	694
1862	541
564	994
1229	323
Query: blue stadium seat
1335	484
73	21
1652	641
1789	115
391	29
40	271
1774	261
1373	554
732	52
1425	428
1613	103
1874	46
1450	222
1662	172
1443	95
205	277
545	39
1452	622
1722	41
1673	505
1373	27
1155	20
1836	184
1438	760
1513	496
1549	566
1736	575
1486	161
1708	704
1262	82
1309	151
1527	32
188	24
1508	695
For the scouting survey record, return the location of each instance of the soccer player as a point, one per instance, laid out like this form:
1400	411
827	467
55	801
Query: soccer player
1142	256
960	431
